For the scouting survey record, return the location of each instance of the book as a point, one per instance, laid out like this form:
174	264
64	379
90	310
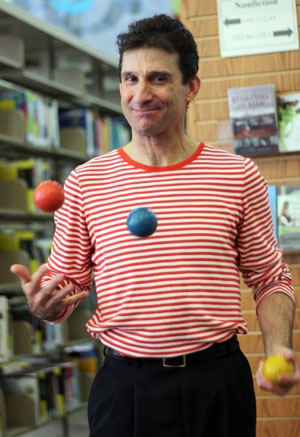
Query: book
106	134
288	207
110	133
15	240
32	171
2	414
254	120
60	395
55	335
120	132
40	113
82	118
272	192
86	356
71	385
289	122
28	325
22	393
6	351
44	390
37	389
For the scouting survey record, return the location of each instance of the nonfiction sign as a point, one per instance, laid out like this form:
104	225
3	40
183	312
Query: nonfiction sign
248	27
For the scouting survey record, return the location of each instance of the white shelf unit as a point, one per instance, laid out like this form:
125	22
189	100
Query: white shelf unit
45	59
41	56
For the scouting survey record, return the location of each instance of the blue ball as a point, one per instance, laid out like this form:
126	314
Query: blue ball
141	222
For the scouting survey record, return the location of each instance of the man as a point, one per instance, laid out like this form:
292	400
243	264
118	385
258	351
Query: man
168	305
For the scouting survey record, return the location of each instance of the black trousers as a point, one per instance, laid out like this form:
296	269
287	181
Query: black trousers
214	398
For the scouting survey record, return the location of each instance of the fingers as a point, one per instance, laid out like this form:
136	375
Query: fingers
261	381
47	302
63	298
270	386
22	272
76	298
25	276
49	295
33	288
42	301
32	284
286	382
286	379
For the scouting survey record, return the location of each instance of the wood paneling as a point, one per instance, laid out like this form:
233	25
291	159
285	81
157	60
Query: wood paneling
289	427
250	64
204	27
193	8
211	110
212	88
208	47
208	120
279	407
286	167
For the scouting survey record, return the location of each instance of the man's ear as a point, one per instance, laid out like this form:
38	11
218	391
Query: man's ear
193	89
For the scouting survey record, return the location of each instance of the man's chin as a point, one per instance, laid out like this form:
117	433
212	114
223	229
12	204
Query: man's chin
148	131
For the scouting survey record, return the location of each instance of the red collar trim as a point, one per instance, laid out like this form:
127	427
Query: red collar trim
150	168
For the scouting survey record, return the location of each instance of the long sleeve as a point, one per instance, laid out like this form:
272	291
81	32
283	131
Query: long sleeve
71	248
260	259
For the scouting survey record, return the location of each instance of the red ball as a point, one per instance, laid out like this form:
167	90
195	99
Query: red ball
49	196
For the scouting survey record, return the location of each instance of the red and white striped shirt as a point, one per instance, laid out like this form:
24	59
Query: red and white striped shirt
178	290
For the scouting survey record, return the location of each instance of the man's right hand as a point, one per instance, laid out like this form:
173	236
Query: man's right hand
49	302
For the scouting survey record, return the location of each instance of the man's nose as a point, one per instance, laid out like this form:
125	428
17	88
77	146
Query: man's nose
143	91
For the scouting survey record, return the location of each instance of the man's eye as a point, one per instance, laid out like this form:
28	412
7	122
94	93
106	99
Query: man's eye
130	79
159	78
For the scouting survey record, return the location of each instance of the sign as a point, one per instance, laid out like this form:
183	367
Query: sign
248	27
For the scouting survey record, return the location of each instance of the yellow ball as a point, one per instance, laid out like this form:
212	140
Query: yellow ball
277	365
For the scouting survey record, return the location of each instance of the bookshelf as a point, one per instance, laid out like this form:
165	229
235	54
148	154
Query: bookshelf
38	57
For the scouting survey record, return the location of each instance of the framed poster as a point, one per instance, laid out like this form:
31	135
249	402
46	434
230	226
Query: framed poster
248	27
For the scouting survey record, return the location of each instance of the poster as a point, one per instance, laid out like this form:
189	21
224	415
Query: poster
257	26
289	122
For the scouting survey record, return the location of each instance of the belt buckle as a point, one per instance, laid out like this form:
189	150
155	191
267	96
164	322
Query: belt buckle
181	365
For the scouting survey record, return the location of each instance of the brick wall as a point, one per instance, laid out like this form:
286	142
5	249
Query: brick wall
208	120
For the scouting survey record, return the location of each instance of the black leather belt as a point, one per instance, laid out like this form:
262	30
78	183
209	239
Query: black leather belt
217	350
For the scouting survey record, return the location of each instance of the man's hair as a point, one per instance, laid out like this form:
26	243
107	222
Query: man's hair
166	33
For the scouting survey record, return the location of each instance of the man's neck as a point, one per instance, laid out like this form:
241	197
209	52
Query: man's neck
155	153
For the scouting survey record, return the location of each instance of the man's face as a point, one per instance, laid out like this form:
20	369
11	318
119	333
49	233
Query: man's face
152	94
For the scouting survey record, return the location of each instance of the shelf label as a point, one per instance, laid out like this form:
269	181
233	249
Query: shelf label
249	27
